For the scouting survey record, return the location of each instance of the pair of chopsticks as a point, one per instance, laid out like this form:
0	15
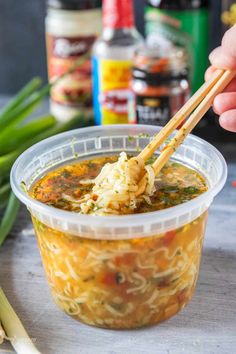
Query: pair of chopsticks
199	104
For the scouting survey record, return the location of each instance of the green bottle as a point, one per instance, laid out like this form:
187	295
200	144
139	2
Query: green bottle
182	23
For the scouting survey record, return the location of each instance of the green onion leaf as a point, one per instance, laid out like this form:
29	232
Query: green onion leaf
14	136
9	217
23	94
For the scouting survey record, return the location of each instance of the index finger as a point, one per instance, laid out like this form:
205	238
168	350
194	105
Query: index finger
220	58
231	87
229	41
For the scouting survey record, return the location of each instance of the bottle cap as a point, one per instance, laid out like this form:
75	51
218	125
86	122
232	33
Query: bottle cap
118	14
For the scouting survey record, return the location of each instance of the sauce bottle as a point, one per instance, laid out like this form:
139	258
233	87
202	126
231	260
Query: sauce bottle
159	84
183	23
112	62
72	26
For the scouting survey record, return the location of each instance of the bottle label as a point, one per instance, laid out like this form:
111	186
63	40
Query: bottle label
187	29
111	91
163	25
153	110
76	87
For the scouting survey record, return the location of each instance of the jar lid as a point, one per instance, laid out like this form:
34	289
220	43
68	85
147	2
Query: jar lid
74	4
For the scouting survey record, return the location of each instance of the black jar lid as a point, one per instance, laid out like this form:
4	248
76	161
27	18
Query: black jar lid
73	4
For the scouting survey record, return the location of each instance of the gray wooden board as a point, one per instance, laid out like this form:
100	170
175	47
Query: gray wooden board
206	325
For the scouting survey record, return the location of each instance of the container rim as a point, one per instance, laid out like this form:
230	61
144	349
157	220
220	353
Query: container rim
125	220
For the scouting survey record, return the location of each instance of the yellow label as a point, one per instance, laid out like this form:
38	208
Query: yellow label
115	78
229	17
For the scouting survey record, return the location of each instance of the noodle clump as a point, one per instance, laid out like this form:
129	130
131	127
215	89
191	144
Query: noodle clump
115	188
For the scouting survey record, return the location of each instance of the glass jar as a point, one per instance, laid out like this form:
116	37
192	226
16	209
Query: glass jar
182	23
71	29
159	86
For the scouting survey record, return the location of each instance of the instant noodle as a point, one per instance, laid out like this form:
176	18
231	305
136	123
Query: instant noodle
118	271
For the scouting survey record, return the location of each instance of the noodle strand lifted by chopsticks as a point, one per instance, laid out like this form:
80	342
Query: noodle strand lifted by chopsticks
115	188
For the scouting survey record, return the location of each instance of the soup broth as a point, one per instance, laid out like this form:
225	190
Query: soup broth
121	283
62	188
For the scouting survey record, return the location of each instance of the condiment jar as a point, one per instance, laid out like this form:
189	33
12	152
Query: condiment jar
159	85
72	26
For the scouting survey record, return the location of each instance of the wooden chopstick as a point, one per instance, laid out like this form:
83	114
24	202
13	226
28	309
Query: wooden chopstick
187	108
220	81
193	120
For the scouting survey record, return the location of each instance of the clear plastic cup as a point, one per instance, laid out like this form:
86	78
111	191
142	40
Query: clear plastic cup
119	271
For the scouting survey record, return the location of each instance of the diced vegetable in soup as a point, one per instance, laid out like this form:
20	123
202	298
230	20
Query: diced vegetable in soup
64	187
121	283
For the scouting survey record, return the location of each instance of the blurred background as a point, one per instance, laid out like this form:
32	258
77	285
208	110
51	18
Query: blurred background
22	43
23	49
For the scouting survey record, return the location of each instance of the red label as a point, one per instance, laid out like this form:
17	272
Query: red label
115	101
118	13
62	52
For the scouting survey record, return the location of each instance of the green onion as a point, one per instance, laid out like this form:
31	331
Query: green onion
16	135
23	94
9	217
2	334
191	190
14	328
76	64
12	137
7	160
21	111
4	194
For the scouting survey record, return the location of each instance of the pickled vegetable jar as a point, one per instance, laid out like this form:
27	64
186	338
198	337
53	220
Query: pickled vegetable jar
159	84
121	271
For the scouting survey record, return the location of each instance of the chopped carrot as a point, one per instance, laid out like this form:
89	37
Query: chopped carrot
169	237
109	279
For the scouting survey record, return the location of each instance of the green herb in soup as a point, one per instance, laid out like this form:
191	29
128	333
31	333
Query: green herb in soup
64	187
120	283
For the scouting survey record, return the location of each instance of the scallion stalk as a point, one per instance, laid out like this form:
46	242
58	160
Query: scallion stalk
23	94
14	329
4	194
7	160
21	111
12	137
2	334
9	217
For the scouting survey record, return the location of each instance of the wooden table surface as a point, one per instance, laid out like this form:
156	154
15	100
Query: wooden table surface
207	325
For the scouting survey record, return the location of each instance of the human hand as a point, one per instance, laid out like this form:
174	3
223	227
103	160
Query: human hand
224	57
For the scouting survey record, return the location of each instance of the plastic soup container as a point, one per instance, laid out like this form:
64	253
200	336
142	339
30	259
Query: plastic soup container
119	271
